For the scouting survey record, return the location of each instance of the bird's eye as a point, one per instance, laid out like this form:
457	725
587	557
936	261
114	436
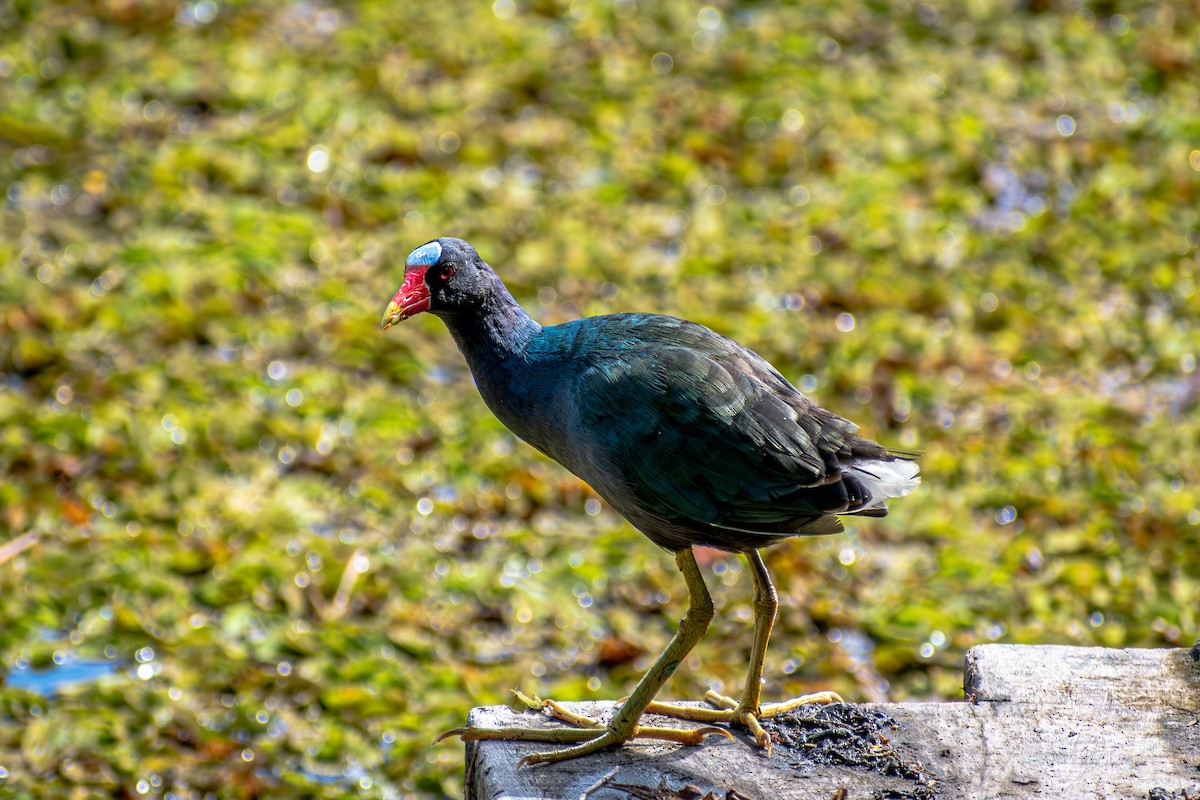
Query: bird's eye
445	271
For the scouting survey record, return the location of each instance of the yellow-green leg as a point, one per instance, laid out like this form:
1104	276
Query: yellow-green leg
590	736
749	710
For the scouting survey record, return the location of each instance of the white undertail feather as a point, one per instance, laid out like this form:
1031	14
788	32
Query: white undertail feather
886	479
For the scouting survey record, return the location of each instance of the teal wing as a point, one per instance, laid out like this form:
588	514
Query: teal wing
704	430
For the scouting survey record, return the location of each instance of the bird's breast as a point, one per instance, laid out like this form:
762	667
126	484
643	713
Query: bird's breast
532	407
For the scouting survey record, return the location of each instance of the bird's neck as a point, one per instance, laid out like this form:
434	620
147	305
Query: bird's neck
495	341
496	331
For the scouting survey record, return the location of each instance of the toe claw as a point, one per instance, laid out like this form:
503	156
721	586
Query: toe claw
712	730
460	732
533	759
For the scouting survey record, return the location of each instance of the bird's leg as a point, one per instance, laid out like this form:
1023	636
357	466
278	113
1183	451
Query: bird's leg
748	711
624	724
766	606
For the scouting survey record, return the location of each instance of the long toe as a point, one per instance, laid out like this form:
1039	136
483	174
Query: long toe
610	738
775	709
593	745
729	714
730	711
559	735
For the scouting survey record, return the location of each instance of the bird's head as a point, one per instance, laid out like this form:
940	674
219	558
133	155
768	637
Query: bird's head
442	277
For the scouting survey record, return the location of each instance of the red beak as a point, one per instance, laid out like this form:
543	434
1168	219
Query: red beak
412	299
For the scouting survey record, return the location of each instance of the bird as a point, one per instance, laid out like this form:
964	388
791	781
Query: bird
692	437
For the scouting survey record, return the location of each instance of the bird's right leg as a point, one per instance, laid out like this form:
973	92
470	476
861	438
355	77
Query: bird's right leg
749	710
591	736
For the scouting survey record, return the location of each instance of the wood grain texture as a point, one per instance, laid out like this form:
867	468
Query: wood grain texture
1046	722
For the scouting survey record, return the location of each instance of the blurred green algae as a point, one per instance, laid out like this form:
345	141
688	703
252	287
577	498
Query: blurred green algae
305	548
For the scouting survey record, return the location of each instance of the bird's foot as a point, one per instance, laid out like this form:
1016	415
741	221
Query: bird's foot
588	736
729	710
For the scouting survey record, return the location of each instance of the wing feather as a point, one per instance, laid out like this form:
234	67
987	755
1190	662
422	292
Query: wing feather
704	430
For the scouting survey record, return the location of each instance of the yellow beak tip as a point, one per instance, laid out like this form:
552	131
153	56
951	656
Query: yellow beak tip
391	316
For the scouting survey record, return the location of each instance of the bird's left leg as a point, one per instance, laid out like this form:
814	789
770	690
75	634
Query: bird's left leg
591	735
749	710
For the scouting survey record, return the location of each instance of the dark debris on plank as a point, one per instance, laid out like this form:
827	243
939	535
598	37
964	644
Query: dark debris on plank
847	735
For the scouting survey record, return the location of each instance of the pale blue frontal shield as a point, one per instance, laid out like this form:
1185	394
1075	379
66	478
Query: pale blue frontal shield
424	256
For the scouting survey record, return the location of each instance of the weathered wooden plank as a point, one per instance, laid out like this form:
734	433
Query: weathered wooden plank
1137	678
1117	723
